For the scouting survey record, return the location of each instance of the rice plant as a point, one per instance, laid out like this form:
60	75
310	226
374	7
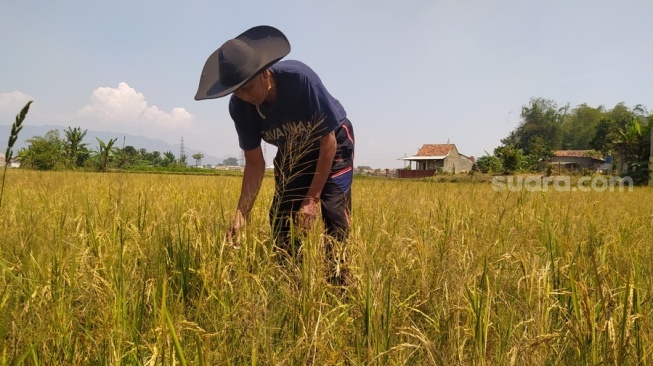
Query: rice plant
15	129
133	268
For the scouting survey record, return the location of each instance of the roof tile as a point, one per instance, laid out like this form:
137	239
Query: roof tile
435	149
578	153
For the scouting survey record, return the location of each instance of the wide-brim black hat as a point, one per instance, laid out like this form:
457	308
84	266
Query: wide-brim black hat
240	59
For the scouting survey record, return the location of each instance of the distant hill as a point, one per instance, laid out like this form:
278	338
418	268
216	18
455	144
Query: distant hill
137	141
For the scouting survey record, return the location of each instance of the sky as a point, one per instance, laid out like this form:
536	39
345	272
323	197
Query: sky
408	72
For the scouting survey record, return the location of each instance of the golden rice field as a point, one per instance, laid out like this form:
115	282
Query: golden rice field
113	268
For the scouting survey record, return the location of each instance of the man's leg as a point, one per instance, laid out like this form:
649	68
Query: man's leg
289	191
336	205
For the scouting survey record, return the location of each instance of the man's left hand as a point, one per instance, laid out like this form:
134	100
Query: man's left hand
308	213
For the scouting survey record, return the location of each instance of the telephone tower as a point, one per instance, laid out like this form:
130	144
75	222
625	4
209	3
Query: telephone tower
182	151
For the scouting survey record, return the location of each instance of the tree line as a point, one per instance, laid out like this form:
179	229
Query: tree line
69	152
622	133
54	152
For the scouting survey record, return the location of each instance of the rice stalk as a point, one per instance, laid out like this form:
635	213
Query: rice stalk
15	129
171	328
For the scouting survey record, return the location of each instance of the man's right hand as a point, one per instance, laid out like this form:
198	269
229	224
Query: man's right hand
237	229
252	178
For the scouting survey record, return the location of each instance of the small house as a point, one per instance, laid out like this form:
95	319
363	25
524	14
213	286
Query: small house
578	159
14	163
432	158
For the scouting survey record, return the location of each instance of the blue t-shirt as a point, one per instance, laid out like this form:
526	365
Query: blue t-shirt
302	112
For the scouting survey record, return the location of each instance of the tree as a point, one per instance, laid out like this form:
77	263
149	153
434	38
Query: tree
533	141
76	151
198	158
105	152
541	118
621	114
154	157
633	144
538	153
126	157
619	132
168	158
26	157
130	151
601	141
231	161
45	153
489	164
580	125
511	158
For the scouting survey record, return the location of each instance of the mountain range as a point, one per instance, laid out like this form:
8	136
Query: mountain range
124	139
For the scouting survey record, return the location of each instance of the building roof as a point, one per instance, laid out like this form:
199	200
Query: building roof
431	152
435	149
578	154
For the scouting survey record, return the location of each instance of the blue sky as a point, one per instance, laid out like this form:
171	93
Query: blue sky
408	72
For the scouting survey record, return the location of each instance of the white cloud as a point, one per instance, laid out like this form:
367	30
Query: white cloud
178	118
11	103
124	106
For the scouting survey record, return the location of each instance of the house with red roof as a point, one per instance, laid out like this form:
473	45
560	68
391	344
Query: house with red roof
432	158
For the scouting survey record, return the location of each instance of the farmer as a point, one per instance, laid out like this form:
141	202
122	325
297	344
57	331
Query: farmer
285	104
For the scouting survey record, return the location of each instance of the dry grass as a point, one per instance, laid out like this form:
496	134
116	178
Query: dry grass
124	268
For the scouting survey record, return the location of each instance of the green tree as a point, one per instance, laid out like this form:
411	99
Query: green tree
154	157
539	133
105	152
45	152
602	139
540	118
168	158
511	158
231	161
26	157
620	113
580	126
126	157
198	158
489	164
545	128
538	153
633	145
130	151
76	151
